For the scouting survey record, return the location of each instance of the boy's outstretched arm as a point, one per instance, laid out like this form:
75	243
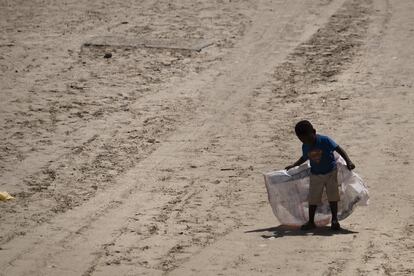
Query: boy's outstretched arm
297	163
345	156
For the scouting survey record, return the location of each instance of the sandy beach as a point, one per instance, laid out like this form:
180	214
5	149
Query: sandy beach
134	134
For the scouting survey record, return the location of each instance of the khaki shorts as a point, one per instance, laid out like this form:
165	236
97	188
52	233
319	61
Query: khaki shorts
318	182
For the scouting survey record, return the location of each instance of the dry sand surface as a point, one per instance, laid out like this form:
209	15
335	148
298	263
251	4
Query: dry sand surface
149	161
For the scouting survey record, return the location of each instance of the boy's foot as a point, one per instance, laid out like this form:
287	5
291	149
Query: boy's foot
308	226
335	226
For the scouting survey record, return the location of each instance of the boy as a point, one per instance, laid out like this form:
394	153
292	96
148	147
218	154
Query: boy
319	150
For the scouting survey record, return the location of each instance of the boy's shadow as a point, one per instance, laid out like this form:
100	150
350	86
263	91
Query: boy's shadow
283	230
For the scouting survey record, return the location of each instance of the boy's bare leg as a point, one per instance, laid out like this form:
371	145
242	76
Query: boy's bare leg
334	210
311	223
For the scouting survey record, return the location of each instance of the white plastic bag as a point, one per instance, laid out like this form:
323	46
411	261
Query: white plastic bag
288	194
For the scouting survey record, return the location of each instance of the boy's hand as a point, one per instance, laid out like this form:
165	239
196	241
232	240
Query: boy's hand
350	166
297	163
289	167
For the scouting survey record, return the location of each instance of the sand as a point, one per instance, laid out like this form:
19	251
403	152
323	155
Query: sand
148	161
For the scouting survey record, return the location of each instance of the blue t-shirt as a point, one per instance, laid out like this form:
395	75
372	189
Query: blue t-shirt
320	155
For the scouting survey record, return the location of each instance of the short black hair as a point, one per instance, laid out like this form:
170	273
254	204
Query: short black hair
304	127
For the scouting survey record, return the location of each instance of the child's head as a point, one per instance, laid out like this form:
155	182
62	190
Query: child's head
305	132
